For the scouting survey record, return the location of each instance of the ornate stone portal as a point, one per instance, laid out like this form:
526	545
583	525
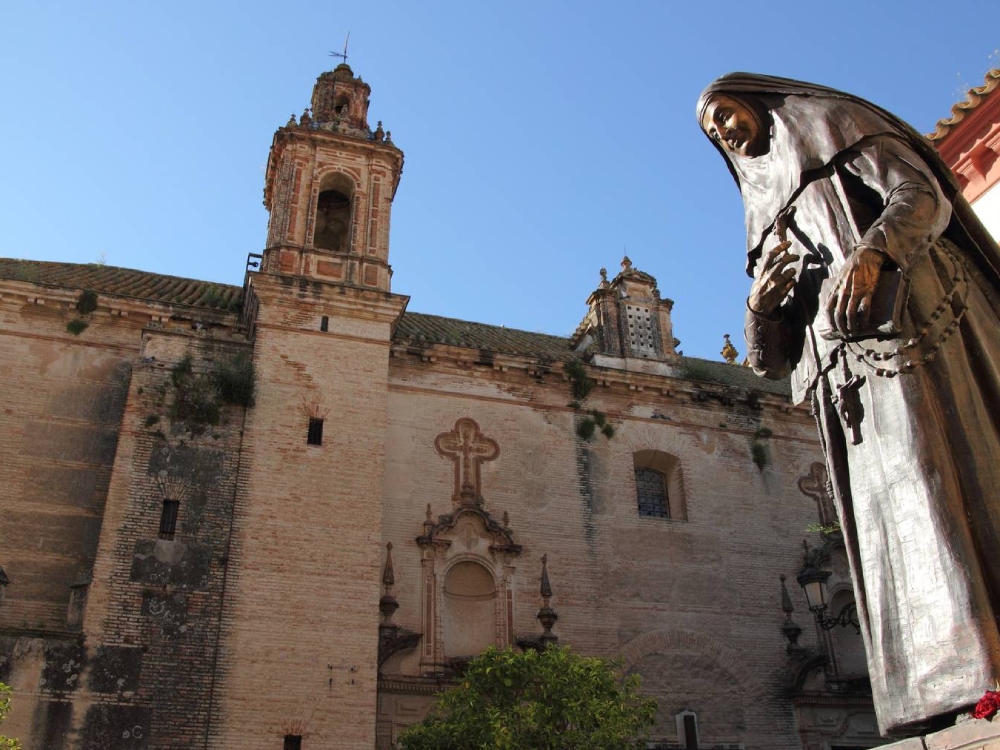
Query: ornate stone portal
467	562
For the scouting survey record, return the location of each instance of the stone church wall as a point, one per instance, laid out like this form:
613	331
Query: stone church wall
103	619
691	603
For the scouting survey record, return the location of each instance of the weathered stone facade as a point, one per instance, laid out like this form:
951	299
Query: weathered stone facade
182	570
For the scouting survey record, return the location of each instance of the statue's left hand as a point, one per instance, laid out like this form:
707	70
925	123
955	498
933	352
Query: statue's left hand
850	303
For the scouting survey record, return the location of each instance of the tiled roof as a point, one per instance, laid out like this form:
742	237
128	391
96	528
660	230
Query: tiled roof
973	99
418	328
123	282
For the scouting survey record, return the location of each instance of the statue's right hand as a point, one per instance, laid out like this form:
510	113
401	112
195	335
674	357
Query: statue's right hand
774	281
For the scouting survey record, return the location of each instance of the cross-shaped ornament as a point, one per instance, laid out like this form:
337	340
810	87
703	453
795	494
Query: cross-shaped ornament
467	448
849	403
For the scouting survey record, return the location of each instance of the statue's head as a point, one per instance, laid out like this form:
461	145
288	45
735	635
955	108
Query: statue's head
733	125
775	132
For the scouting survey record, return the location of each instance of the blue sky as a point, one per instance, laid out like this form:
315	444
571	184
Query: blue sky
541	139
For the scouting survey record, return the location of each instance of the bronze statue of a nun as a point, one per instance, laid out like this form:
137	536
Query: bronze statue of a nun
877	289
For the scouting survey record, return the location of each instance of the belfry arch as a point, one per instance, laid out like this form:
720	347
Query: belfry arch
334	213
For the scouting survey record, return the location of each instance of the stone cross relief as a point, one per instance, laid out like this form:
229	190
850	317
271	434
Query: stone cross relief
466	446
816	484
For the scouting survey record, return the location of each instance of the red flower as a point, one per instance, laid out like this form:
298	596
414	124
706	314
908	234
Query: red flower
988	705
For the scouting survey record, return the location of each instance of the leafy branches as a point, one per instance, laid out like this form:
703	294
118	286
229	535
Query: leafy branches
551	699
6	743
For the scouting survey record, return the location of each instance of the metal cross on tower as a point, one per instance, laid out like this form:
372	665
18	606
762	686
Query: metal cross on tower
343	55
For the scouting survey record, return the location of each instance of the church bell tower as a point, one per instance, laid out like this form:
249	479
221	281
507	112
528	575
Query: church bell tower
303	583
329	188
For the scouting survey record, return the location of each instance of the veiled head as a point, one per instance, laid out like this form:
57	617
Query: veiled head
733	125
776	133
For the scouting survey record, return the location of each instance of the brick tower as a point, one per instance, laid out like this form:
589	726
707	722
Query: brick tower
300	633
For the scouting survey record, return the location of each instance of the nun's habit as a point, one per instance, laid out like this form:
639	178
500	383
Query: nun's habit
910	423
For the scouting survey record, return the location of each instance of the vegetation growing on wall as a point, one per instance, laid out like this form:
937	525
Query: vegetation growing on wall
77	326
824	528
198	397
236	380
758	448
580	386
86	303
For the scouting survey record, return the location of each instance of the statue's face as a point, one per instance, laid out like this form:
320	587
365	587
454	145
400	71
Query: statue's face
733	125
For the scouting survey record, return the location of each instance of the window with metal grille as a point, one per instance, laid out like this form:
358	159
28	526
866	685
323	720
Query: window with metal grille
651	493
324	323
315	436
293	742
168	518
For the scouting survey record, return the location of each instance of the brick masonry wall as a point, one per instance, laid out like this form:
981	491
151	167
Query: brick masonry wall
260	618
301	618
83	481
155	603
692	605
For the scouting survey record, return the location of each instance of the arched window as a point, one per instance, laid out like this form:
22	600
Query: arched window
333	215
659	491
469	612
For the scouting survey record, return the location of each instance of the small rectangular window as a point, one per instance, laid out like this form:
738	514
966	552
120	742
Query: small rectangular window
690	733
293	742
168	518
315	436
324	323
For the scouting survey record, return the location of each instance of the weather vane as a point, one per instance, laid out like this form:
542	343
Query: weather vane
343	55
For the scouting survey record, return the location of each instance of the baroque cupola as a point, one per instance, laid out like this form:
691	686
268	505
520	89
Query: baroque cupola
340	100
627	325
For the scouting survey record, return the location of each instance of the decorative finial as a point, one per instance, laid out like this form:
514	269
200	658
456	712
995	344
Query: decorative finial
291	121
729	352
546	615
428	522
626	263
388	605
306	117
388	136
786	600
546	589
379	133
604	271
789	629
388	576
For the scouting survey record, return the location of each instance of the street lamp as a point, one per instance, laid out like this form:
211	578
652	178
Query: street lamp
813	583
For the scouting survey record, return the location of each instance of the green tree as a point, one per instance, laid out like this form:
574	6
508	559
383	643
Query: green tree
6	743
548	700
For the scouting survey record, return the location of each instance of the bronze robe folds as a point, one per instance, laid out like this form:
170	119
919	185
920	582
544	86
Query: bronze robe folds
910	424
